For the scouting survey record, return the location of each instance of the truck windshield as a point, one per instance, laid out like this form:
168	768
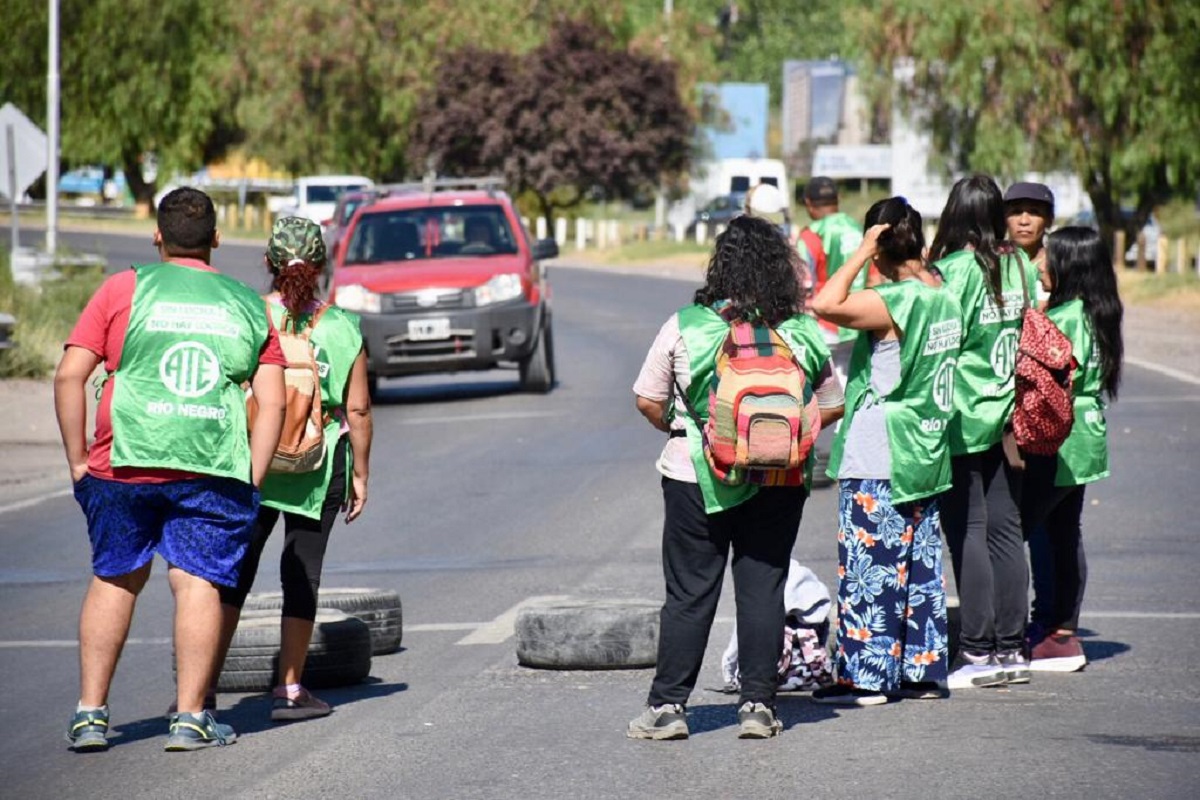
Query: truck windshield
424	233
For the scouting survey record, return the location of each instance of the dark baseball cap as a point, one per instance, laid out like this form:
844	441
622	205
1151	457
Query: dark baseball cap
820	191
1024	190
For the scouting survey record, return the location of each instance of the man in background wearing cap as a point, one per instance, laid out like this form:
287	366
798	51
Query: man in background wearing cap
170	469
1029	211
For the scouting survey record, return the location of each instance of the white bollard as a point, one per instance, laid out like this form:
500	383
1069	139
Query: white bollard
720	229
580	233
560	231
680	232
614	233
601	235
525	222
701	232
541	227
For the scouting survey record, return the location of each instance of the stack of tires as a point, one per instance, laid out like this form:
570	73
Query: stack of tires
351	626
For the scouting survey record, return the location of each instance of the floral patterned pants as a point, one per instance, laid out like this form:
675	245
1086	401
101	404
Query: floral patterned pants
891	593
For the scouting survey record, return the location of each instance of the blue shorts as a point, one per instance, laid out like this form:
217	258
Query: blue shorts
202	526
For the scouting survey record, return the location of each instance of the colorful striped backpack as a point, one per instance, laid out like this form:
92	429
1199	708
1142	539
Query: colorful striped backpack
760	427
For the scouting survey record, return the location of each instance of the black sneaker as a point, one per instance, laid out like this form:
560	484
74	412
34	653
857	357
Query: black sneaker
197	731
842	695
88	731
921	690
757	721
667	721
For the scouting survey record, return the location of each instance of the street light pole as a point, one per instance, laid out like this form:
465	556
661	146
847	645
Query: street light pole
52	137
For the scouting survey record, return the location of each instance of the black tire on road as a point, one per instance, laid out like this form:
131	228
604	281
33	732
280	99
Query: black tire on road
379	608
589	634
338	655
537	369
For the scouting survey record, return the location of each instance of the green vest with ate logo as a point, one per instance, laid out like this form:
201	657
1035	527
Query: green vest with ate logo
703	331
336	341
1083	457
984	391
918	410
194	337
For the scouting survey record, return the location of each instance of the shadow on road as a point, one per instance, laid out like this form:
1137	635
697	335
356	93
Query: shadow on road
252	713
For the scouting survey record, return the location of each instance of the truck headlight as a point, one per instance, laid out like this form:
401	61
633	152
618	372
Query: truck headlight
498	289
353	297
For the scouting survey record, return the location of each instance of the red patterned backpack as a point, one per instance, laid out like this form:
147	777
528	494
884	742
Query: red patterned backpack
760	428
1045	409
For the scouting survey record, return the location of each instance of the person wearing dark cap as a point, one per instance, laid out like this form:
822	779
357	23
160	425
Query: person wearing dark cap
1029	211
308	501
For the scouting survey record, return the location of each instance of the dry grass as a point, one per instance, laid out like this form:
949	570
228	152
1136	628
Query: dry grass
1173	292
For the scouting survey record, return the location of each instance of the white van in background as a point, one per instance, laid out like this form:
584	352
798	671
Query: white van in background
726	176
316	195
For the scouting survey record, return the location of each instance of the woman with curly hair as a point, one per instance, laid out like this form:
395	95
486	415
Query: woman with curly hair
751	278
308	501
892	462
980	513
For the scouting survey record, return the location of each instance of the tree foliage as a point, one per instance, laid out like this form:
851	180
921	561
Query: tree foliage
136	76
1106	89
573	116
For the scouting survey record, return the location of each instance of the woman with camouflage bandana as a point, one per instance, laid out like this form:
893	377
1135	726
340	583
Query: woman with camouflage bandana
309	501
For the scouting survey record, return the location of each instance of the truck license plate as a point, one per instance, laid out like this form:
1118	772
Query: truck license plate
421	330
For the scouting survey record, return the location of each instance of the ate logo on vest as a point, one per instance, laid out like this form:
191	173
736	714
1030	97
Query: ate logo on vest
943	385
1004	353
189	369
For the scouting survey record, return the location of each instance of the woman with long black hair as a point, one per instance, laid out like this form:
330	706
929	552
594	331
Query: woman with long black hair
1086	307
980	514
751	278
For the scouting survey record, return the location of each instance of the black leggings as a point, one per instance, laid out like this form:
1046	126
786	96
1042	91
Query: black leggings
982	523
1051	517
305	540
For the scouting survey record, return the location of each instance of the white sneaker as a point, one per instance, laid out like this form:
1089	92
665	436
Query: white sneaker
973	672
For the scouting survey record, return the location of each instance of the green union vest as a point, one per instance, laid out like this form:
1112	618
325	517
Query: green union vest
1083	457
194	337
984	391
703	331
918	410
840	236
336	342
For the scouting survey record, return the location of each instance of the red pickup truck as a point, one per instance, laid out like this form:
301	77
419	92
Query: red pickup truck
446	278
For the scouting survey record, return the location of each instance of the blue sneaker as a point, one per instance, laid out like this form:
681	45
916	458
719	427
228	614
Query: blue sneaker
197	731
88	731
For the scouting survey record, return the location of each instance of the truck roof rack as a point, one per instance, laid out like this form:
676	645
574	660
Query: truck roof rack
430	184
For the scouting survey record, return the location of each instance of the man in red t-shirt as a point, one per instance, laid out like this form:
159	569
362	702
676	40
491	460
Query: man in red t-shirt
150	326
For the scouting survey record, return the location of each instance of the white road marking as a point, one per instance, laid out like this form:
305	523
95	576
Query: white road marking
33	501
1150	400
1170	372
500	629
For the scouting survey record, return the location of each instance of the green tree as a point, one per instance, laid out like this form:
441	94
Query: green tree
144	76
1106	89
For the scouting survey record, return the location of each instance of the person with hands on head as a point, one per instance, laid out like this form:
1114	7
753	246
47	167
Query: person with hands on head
170	469
751	277
308	501
891	459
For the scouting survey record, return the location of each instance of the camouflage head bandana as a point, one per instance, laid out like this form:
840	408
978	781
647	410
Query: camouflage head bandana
295	238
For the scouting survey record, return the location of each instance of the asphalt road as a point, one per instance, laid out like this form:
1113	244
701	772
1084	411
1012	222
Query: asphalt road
482	498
